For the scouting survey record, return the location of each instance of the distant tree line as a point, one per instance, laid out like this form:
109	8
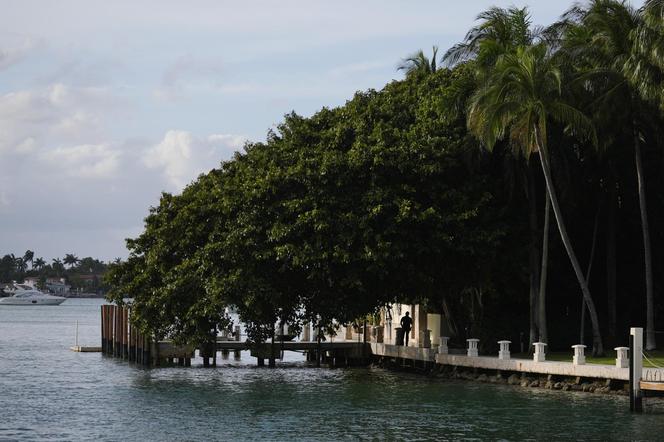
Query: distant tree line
70	267
510	184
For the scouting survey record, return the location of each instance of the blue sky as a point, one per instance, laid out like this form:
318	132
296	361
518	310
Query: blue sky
105	104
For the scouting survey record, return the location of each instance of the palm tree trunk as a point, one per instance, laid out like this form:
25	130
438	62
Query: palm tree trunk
544	336
611	268
582	329
650	303
598	347
533	255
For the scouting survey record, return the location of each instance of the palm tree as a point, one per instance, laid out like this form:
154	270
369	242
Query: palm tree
501	31
419	63
28	256
21	265
71	260
597	40
523	91
58	266
38	263
645	69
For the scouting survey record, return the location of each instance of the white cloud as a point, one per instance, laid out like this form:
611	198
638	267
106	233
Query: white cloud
13	55
182	157
54	115
84	161
26	146
188	72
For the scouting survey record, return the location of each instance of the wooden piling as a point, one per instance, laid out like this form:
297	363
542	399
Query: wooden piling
318	350
103	341
125	333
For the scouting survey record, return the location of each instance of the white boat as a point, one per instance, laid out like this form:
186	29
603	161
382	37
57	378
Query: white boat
30	296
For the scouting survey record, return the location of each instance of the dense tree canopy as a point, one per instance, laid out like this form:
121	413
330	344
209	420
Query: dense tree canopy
394	196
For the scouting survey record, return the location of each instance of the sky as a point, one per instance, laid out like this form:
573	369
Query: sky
104	105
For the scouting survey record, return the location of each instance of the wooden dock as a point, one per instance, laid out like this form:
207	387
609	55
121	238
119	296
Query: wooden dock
120	339
82	349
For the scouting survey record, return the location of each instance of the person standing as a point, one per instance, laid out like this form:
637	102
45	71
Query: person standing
406	323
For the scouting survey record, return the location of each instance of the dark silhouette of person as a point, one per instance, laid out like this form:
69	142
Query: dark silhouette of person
406	323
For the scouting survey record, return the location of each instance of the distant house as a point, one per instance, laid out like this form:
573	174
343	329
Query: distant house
57	286
31	281
89	280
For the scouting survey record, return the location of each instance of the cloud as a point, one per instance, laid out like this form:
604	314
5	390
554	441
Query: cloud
54	115
13	55
188	72
181	156
84	161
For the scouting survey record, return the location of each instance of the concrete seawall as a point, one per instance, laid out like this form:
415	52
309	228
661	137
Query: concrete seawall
528	366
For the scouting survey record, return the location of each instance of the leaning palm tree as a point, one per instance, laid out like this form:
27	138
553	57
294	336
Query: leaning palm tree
501	31
28	257
523	91
420	63
597	42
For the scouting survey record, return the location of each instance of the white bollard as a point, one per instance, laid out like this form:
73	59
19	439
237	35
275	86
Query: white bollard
539	355
504	352
622	359
579	354
443	349
472	347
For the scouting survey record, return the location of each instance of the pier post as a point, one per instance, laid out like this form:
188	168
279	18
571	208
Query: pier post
504	352
472	347
443	349
318	349
214	347
622	358
579	354
272	360
125	333
306	332
539	355
103	337
635	369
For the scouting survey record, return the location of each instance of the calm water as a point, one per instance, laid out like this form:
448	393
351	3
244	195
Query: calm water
49	392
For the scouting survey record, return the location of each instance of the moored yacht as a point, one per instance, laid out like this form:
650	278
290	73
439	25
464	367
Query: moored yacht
30	296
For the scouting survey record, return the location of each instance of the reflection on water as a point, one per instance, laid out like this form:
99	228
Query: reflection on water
48	392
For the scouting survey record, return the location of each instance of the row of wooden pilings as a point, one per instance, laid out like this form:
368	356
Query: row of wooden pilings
122	340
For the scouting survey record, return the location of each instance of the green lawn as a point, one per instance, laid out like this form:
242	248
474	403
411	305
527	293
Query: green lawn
656	356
